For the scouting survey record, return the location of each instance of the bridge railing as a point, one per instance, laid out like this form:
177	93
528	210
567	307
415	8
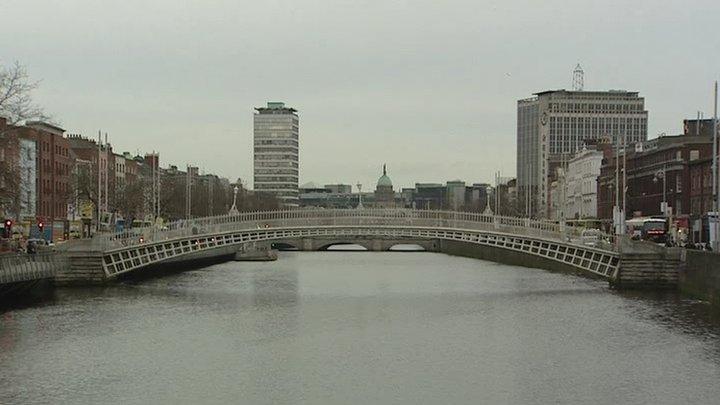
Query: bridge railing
346	217
24	267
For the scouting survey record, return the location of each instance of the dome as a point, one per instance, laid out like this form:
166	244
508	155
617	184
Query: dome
384	180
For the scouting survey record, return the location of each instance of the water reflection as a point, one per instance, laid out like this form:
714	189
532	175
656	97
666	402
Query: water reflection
358	327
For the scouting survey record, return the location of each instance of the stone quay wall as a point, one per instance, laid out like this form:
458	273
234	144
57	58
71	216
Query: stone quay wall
700	277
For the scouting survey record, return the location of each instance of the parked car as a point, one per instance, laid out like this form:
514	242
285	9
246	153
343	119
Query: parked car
40	244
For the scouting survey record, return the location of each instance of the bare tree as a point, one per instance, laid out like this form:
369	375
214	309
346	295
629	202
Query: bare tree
130	200
84	183
16	87
254	200
15	105
10	190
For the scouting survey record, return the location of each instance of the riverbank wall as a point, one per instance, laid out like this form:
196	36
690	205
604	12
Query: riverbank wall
700	277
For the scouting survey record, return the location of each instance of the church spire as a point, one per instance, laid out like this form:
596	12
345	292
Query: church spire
384	170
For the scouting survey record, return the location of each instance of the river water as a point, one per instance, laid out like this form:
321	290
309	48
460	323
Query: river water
357	327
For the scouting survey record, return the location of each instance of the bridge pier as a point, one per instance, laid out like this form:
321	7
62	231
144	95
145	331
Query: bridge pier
376	245
255	252
307	245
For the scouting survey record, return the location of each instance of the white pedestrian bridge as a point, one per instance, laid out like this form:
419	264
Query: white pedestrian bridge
311	229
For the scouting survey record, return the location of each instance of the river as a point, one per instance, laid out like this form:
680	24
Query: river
358	327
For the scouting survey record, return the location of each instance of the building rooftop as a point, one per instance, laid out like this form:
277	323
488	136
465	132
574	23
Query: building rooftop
587	92
45	126
274	107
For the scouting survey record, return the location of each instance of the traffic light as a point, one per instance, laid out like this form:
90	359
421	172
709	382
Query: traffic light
7	229
40	228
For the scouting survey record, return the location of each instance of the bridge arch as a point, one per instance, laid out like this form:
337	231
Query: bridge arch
407	247
284	245
352	246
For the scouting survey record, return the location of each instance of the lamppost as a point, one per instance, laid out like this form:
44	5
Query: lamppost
488	210
233	209
662	174
664	205
359	186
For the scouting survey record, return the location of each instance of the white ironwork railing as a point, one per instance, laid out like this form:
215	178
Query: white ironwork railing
25	267
352	217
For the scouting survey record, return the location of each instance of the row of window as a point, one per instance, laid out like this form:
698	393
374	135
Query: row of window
618	107
276	135
276	157
263	186
277	164
290	177
58	150
259	142
61	169
264	149
286	171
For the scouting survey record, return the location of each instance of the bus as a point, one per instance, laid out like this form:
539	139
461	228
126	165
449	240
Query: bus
652	229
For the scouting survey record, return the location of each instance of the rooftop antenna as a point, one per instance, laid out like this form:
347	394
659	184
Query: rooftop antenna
578	78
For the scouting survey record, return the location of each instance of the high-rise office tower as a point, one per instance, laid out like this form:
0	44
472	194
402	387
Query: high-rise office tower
553	125
276	152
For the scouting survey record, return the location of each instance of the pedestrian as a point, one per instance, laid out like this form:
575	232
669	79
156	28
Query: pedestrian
31	247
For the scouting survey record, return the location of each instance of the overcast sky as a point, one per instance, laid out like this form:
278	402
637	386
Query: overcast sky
427	86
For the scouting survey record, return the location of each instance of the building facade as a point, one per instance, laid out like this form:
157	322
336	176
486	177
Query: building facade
583	171
339	188
98	178
430	196
553	125
662	169
276	152
28	179
119	169
329	196
53	174
456	194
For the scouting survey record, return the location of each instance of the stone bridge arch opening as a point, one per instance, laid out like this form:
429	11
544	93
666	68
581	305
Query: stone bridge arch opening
284	246
344	247
407	247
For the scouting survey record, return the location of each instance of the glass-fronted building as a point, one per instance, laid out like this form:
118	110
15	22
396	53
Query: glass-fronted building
553	125
276	157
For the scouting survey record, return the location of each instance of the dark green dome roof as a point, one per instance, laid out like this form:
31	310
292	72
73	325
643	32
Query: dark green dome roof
384	180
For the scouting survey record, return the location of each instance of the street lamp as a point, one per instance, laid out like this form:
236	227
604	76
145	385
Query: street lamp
233	209
662	174
359	186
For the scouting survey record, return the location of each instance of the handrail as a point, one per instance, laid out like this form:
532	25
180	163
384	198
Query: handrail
20	266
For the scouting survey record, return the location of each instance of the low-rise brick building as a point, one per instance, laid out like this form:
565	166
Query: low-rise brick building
657	170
